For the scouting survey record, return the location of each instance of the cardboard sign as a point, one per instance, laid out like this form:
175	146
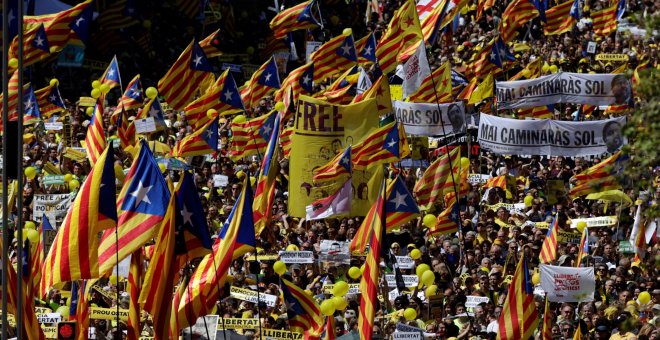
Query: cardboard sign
54	206
75	154
251	296
145	125
238	323
53	126
297	257
626	247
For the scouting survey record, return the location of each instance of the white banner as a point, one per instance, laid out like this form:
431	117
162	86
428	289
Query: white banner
297	256
568	284
414	71
54	206
425	119
405	262
408	280
550	137
564	87
251	296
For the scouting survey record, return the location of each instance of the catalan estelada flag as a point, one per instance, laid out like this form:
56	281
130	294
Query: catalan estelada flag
179	84
35	45
549	247
153	109
118	15
385	145
496	182
402	32
265	190
400	207
82	308
141	204
237	238
599	177
380	90
300	81
201	142
298	17
516	14
303	312
447	221
37	258
532	70
111	76
369	281
562	17
263	81
222	96
135	278
336	55
73	255
191	221
429	189
330	332
366	48
50	101
31	113
519	318
211	44
132	98
95	138
584	247
339	165
251	137
538	112
436	88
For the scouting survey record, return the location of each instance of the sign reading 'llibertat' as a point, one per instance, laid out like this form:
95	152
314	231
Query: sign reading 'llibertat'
550	137
564	87
425	119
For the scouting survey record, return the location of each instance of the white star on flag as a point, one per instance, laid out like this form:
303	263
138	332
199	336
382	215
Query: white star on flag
209	134
198	60
52	98
367	50
391	143
228	95
453	216
492	55
306	79
111	73
399	199
141	194
39	41
11	16
267	130
153	112
268	75
347	49
187	215
344	161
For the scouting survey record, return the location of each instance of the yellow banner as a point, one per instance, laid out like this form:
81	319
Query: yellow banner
50	331
396	92
107	313
75	155
87	101
593	222
321	131
568	237
612	57
238	323
279	334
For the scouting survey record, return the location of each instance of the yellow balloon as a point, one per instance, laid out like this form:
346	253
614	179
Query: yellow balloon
105	88
95	93
536	278
644	298
553	68
580	226
210	113
151	92
30	172
240	174
340	303
347	31
30	225
89	111
545	68
279	106
362	269
32	235
68	177
54	82
428	278
529	199
74	185
239	119
279	267
354	273
328	307
13	63
415	254
292	247
96	84
465	163
429	220
431	291
410	314
421	269
340	288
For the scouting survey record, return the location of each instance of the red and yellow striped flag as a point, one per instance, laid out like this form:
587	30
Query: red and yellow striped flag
336	55
336	167
95	137
547	321
441	93
222	96
385	145
135	277
210	44
298	17
402	32
299	81
447	221
380	90
498	181
82	309
519	318
430	188
74	253
559	19
538	112
516	14
251	137
264	193
483	5
201	142
549	247
264	80
531	71
179	84
33	50
49	100
369	281
604	22
330	332
132	98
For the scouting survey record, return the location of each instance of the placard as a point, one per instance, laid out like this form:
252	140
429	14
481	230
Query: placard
568	284
55	206
602	221
405	262
591	47
474	301
86	101
280	334
238	323
53	179
334	251
49	318
53	126
251	296
406	335
220	181
107	313
612	57
311	47
297	256
408	280
145	125
475	179
425	119
568	237
353	288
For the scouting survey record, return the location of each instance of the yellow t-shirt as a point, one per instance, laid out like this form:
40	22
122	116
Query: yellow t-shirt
625	336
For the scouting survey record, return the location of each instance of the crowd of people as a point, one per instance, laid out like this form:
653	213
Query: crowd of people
479	260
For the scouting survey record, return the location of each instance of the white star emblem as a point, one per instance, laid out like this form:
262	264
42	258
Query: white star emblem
198	60
399	199
28	103
111	73
306	79
347	49
344	160
141	194
367	50
268	77
305	15
391	143
289	305
153	112
39	41
267	130
187	215
135	92
52	98
228	95
454	216
79	20
11	16
492	55
209	134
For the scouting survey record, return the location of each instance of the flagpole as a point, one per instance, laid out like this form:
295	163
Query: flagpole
5	187
19	176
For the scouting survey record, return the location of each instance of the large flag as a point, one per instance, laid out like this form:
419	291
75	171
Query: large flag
562	17
336	55
201	142
384	145
400	207
303	313
429	189
37	258
264	80
237	237
600	177
491	60
434	88
179	84
111	76
265	190
74	253
300	81
141	204
132	98
35	45
402	32
135	278
222	96
336	204
604	21
414	71
295	18
519	317
369	282
251	137
95	137
50	101
380	90
516	14
339	165
549	247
